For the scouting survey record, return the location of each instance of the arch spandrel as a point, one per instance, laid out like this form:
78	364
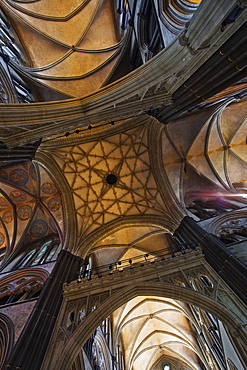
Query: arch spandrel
161	280
80	336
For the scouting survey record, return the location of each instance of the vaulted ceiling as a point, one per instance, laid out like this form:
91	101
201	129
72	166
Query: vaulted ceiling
30	208
153	327
78	57
210	159
126	186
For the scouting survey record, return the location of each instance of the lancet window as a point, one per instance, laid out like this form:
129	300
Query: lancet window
38	255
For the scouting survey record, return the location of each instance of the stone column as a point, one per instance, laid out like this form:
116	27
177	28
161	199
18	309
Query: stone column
232	270
31	346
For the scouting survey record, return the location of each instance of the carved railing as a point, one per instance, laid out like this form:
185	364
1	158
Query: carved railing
134	262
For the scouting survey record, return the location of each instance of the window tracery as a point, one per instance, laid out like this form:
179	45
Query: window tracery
38	256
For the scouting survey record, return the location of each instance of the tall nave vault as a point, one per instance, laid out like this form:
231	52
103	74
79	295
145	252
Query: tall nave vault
123	184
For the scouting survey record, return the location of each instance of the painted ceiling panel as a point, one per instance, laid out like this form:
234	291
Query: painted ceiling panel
30	206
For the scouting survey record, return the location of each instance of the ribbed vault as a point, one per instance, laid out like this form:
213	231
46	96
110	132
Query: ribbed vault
152	327
79	54
111	177
131	242
210	161
30	208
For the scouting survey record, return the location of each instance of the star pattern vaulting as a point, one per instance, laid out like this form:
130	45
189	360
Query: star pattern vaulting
86	167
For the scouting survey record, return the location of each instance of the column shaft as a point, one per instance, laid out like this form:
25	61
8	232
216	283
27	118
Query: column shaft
232	270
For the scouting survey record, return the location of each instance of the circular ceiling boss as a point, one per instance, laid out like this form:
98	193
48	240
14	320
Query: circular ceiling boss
111	179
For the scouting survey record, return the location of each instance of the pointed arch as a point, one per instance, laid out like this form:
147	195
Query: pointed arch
94	319
6	338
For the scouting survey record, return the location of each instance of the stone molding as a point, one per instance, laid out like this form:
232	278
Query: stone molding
7	91
152	84
174	208
69	220
169	278
230	220
100	132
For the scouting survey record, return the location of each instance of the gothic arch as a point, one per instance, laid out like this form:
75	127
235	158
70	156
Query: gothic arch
6	338
69	220
79	337
105	351
129	221
175	364
169	197
219	222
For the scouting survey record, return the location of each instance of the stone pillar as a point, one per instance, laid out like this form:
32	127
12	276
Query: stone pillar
232	270
31	346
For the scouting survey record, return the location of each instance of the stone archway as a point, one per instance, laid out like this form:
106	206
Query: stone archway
208	303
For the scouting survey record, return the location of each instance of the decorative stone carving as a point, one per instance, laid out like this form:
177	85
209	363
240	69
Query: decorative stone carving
107	293
234	223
